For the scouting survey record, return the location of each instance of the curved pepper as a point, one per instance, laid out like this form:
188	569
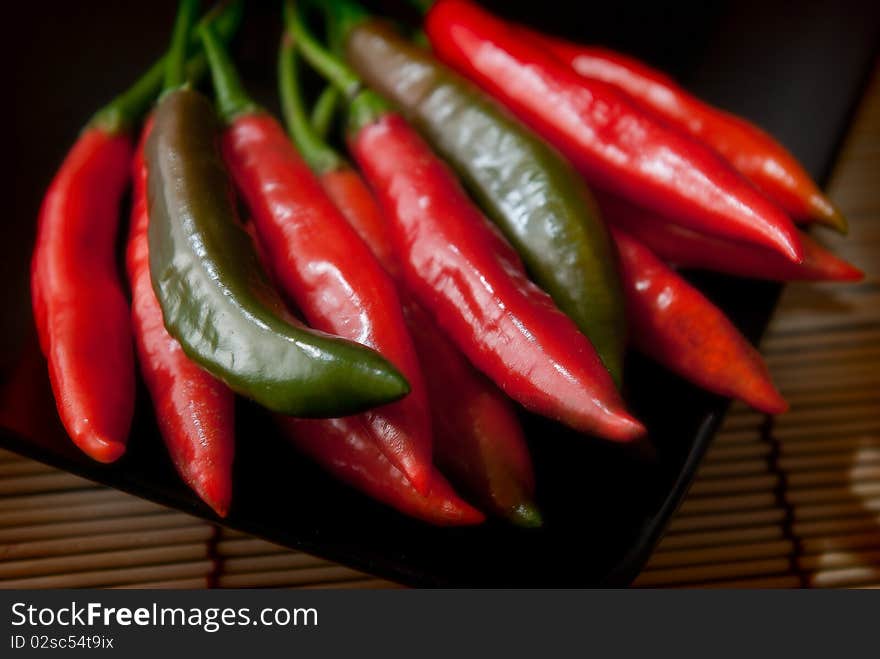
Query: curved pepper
759	157
464	273
215	299
478	440
476	288
345	448
689	249
622	148
79	304
321	262
536	198
74	279
673	323
195	411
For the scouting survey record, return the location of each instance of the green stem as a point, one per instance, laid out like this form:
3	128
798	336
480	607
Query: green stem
175	65
333	69
318	154
365	106
232	99
124	111
342	17
324	111
420	38
422	5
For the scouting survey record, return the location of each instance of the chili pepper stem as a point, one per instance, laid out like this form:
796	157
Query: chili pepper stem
320	157
365	106
337	73
422	5
324	111
175	64
342	17
232	99
124	111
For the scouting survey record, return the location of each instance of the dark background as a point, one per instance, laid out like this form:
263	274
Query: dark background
794	67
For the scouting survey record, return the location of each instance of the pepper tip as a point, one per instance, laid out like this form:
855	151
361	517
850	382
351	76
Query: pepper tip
526	515
768	400
102	449
624	428
826	213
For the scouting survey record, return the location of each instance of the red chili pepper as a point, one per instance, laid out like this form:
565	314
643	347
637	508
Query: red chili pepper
673	323
345	448
321	262
463	272
79	306
478	440
351	195
477	437
619	146
758	156
472	282
195	411
689	249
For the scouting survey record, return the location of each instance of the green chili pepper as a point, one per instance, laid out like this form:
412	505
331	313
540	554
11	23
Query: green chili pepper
534	196
215	299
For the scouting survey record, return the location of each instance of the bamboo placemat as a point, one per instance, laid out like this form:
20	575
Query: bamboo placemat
786	502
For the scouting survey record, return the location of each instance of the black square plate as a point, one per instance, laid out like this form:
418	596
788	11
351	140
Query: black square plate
797	69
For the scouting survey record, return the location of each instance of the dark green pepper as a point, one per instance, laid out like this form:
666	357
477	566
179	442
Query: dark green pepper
529	190
215	299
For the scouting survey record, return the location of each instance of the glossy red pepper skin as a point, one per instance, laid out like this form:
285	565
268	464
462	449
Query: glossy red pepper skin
619	147
689	249
462	271
79	305
330	274
674	324
345	448
351	195
478	440
759	157
194	410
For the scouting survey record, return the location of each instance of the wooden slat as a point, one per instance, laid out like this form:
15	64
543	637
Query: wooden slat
69	546
724	553
104	578
90	527
40	501
102	560
719	538
53	481
702	573
125	507
282	578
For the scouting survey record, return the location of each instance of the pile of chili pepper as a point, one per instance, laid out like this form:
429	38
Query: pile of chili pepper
511	219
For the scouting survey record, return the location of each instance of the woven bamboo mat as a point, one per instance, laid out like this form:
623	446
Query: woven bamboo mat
786	502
